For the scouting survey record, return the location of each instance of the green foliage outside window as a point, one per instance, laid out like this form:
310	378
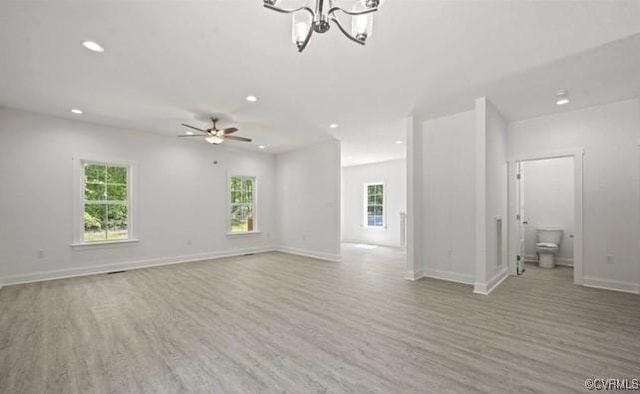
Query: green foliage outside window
242	206
105	202
375	205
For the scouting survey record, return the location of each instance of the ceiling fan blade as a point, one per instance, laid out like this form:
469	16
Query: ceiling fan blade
195	128
192	135
233	138
229	130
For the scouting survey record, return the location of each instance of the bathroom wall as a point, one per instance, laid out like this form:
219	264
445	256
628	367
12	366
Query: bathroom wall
549	202
609	135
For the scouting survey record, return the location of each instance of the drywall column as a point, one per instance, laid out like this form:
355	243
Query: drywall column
491	196
415	269
481	196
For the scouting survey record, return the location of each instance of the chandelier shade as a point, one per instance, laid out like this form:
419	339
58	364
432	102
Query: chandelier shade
361	25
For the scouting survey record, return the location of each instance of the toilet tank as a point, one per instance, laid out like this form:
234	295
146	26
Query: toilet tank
549	235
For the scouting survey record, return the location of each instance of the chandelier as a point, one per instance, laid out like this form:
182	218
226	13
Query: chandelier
306	20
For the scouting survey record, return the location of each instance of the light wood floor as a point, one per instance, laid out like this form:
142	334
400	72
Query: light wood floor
280	323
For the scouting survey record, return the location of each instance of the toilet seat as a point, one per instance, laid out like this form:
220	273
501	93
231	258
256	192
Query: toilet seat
548	245
547	248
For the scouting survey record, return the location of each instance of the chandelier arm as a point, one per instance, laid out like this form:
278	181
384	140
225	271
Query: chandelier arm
352	13
290	10
344	31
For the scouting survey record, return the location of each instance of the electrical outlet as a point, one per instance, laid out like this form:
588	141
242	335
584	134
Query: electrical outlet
610	259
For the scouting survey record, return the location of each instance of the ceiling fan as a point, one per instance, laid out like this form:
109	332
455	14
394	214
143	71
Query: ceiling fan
214	135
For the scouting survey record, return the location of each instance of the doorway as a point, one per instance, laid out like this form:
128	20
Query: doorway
545	204
373	206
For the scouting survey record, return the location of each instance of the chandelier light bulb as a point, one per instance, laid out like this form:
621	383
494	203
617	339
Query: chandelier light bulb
301	31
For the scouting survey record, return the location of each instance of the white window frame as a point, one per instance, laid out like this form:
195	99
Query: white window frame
366	205
78	198
255	230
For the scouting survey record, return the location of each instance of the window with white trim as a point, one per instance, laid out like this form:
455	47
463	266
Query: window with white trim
242	207
374	205
106	202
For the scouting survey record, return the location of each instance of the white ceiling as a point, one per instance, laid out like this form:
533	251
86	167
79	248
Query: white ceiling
169	62
601	75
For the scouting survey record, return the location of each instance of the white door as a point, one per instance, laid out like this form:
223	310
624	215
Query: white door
520	217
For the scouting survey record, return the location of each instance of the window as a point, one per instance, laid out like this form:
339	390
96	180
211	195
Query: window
242	190
374	205
105	202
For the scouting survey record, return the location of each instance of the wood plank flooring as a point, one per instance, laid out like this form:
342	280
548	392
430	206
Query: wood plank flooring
280	323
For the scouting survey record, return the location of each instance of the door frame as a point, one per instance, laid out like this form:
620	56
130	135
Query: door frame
578	157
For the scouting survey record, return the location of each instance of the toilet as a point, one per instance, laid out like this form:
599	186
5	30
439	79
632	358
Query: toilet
548	243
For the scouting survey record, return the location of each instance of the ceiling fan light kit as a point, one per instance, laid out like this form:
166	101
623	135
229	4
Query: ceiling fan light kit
306	21
214	135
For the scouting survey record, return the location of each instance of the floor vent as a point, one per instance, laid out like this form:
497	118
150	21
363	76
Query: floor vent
116	272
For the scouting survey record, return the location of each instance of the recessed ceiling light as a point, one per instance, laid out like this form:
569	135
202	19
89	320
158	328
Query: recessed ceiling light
261	147
333	126
398	142
77	111
188	132
252	99
562	97
93	46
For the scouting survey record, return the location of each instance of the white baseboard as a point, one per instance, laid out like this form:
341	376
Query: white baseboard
608	284
157	262
130	265
450	276
355	241
532	258
309	253
414	275
486	288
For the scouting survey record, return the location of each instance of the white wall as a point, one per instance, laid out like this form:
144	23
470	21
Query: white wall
548	202
609	135
181	197
448	207
393	175
308	209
